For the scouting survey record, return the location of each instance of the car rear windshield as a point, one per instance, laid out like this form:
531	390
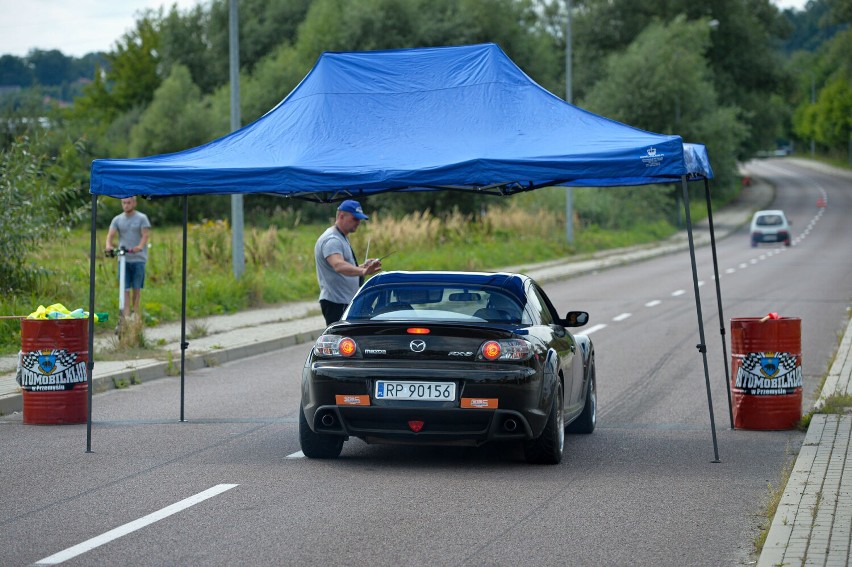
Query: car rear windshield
435	302
770	220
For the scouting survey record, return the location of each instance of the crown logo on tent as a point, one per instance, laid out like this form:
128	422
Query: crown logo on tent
652	151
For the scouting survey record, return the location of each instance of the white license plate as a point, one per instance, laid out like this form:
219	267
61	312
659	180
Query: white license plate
430	391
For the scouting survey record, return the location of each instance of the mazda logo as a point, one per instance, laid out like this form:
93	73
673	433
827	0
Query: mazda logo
418	346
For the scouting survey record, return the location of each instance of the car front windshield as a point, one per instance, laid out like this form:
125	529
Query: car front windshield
435	302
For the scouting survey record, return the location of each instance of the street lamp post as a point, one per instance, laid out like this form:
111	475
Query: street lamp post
569	192
237	253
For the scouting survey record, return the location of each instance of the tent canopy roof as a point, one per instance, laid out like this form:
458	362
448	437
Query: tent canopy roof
360	123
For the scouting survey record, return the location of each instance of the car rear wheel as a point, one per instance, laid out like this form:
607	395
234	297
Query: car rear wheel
315	445
547	448
587	420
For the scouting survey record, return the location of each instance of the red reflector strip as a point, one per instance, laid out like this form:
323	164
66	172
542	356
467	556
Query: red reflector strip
352	400
416	425
418	331
479	403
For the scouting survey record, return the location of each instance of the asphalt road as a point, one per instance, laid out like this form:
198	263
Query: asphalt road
641	490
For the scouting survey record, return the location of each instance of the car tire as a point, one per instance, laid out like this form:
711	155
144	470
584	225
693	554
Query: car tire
315	445
587	420
548	448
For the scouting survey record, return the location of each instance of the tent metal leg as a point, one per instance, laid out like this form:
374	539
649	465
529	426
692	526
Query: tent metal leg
702	346
91	364
719	301
183	344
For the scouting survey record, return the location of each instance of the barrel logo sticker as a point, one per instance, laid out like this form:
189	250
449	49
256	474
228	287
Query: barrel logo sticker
769	373
50	370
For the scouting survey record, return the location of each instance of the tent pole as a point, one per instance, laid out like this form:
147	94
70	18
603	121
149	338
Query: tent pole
91	364
183	344
719	300
702	347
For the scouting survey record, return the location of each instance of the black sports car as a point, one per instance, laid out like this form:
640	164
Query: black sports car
449	358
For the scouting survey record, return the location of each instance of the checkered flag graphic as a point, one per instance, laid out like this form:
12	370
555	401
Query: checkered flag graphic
65	358
30	360
751	362
787	361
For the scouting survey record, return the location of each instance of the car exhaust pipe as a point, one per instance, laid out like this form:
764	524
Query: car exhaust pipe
510	425
327	419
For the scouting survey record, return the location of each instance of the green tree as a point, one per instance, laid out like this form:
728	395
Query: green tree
663	83
746	68
133	66
34	209
833	117
825	87
14	72
175	120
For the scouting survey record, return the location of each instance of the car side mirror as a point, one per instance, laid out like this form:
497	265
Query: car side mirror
576	319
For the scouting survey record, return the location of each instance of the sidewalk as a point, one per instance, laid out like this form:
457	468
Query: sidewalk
813	522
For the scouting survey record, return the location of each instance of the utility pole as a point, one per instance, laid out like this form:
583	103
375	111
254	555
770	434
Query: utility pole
237	252
569	192
813	102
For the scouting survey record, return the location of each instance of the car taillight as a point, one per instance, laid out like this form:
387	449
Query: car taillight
335	345
505	350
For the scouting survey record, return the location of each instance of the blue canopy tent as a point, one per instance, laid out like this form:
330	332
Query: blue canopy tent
460	118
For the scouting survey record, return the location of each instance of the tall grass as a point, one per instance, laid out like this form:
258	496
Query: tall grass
279	261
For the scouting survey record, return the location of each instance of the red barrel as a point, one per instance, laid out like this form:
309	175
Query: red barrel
52	374
766	372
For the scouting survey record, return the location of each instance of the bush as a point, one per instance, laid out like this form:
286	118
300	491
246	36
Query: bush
34	210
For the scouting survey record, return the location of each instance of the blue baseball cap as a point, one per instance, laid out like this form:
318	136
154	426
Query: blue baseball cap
353	207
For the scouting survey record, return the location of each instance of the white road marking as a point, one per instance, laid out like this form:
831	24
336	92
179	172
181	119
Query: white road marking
296	455
730	270
593	328
743	266
621	317
130	527
653	303
678	292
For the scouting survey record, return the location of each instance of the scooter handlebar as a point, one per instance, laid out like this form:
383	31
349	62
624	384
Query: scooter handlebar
113	252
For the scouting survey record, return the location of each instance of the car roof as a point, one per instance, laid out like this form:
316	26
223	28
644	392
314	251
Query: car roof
769	212
510	281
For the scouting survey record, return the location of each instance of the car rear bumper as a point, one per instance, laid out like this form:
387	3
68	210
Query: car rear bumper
439	426
781	236
517	405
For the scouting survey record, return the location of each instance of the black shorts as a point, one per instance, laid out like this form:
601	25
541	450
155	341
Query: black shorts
332	311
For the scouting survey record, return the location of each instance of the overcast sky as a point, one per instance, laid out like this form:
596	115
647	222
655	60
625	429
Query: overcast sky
77	27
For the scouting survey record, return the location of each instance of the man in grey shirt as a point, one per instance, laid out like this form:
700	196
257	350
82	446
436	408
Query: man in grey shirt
133	229
338	272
